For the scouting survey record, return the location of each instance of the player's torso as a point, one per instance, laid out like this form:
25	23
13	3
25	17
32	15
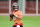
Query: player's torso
16	20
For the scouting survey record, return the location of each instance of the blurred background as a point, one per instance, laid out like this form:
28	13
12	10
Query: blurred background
30	9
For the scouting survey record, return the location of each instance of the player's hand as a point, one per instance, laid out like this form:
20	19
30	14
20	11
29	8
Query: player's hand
11	15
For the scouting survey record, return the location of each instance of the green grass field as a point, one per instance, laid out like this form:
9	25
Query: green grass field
28	21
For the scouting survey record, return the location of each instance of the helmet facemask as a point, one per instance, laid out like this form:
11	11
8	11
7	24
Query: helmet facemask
15	6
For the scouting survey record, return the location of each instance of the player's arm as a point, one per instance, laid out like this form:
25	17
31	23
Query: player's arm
19	16
11	17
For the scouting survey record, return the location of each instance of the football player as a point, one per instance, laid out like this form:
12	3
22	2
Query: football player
17	14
